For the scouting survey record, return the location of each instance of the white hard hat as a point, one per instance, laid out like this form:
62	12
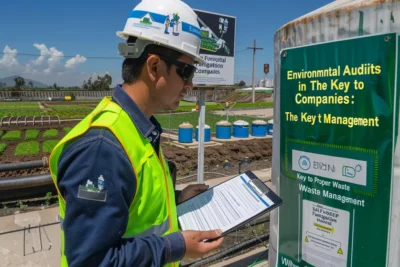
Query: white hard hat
169	23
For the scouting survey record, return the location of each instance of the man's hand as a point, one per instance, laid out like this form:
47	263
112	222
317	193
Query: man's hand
191	191
195	245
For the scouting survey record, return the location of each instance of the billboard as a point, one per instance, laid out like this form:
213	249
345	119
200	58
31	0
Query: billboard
338	130
217	49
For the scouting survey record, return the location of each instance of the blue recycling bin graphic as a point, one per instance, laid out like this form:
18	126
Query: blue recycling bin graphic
304	163
350	172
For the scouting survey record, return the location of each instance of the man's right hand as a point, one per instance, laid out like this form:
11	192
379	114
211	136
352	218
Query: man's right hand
196	246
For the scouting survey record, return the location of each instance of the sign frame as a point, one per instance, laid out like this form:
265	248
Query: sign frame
394	76
219	68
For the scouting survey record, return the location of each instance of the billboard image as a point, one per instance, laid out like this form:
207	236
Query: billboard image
217	49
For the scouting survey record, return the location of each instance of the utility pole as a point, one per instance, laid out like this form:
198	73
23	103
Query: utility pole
254	63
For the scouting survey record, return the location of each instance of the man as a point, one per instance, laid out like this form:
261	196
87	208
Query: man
116	195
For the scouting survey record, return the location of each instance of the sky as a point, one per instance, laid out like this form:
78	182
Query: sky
66	42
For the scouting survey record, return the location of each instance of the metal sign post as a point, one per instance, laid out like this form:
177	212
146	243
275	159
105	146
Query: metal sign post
202	122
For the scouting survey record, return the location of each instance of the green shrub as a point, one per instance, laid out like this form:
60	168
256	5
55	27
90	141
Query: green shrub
51	133
49	145
1	133
27	148
31	134
67	129
3	147
12	136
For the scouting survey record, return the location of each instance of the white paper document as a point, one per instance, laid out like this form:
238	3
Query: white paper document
223	206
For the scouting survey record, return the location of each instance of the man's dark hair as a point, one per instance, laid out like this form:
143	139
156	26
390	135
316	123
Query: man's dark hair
131	67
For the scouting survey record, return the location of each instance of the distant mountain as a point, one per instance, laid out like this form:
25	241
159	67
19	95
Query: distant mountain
9	81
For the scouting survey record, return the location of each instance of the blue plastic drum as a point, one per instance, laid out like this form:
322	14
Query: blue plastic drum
241	129
223	130
259	128
207	133
185	133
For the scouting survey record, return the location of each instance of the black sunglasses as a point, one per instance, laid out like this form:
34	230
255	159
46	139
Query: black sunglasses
184	70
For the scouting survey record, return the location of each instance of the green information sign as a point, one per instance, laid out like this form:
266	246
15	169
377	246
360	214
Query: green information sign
338	113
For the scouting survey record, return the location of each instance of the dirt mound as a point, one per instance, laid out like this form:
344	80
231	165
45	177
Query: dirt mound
259	151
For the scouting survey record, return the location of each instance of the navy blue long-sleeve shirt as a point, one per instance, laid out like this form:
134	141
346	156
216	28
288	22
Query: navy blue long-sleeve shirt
94	227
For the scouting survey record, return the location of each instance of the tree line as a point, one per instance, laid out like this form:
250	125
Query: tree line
101	83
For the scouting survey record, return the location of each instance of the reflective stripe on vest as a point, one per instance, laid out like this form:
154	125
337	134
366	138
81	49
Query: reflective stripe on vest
153	210
157	230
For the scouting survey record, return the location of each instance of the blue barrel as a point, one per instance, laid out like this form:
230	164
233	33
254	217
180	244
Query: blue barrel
224	129
207	133
241	129
259	128
185	133
270	127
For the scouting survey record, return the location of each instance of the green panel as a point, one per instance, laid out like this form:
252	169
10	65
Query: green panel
338	107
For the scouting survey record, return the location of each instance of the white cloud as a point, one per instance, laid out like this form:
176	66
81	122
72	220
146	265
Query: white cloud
51	61
9	58
50	58
29	68
49	66
75	61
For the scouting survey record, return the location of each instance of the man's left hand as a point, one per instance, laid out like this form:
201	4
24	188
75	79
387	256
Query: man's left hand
191	191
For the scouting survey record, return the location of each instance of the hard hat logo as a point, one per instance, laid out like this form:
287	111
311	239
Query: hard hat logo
144	20
170	23
147	19
175	24
167	23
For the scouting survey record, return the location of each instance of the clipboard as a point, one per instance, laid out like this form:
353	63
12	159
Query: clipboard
228	205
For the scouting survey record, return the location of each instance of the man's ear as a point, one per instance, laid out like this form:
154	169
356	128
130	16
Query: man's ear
153	67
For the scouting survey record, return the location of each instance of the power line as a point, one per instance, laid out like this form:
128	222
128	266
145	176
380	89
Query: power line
241	51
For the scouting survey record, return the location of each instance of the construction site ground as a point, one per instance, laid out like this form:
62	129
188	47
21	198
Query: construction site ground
40	246
258	150
33	238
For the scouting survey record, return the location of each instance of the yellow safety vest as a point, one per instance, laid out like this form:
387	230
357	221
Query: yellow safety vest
153	210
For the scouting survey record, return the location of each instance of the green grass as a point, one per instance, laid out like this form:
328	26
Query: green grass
51	133
27	148
49	145
1	133
80	111
193	118
67	129
254	105
75	108
31	134
19	104
191	103
12	136
20	109
3	147
188	106
71	111
32	109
